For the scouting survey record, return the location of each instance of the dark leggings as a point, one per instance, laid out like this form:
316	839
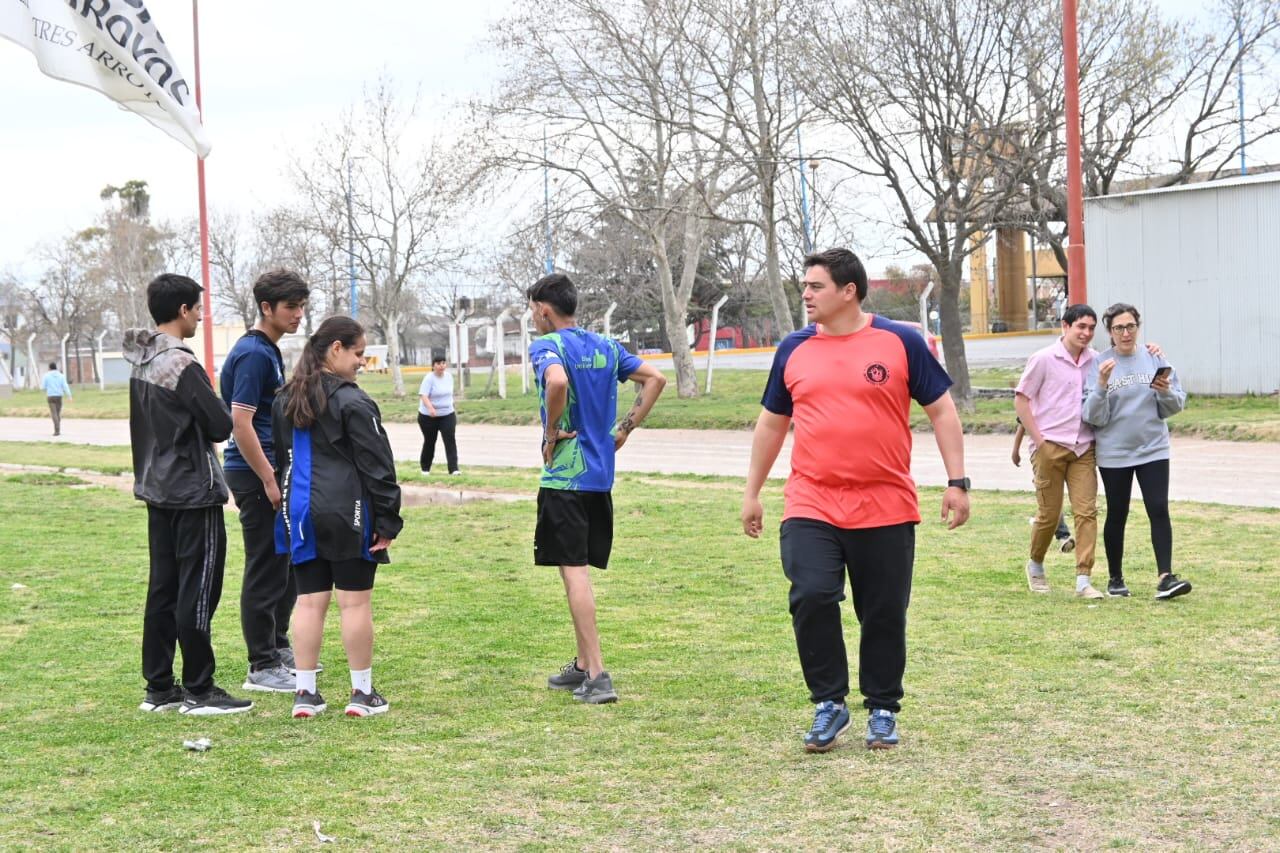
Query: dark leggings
445	426
1153	479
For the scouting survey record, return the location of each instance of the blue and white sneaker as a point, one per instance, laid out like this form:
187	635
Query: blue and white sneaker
882	729
830	720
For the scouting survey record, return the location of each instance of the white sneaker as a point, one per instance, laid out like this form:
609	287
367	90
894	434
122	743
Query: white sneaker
425	472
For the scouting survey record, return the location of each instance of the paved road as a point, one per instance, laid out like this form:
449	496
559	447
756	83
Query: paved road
1246	474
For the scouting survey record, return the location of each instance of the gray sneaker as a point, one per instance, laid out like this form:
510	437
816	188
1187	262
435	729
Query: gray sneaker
289	662
273	679
568	678
596	691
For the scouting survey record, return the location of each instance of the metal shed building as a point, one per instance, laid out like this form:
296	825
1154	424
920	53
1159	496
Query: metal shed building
1202	264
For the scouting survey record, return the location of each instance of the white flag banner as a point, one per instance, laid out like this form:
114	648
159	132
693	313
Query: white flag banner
112	46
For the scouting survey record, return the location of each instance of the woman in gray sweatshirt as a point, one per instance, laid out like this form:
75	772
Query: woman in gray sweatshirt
1128	396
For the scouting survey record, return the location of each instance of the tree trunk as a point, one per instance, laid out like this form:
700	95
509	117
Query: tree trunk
392	337
674	314
953	337
777	297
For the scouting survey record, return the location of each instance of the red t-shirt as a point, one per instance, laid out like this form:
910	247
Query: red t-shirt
849	398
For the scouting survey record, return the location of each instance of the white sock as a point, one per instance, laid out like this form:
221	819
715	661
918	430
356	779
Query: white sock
362	680
306	680
1082	581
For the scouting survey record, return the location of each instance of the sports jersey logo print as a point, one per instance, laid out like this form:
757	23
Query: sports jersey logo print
876	373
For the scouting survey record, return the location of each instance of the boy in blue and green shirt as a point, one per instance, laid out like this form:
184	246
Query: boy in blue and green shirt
578	373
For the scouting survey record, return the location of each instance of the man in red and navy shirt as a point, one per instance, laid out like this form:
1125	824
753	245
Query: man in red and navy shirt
846	384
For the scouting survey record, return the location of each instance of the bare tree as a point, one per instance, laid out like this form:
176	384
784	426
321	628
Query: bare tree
64	301
927	91
614	87
231	267
1158	99
400	196
749	58
124	251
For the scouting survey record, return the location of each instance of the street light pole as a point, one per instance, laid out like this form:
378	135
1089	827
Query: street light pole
351	247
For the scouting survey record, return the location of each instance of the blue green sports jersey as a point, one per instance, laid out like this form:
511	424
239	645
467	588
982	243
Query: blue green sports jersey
595	366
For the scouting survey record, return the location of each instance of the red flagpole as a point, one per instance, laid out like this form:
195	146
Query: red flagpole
1077	291
204	212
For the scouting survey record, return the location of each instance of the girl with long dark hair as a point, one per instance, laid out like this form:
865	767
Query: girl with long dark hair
340	507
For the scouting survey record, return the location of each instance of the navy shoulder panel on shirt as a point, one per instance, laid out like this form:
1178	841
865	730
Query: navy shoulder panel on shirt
926	379
777	398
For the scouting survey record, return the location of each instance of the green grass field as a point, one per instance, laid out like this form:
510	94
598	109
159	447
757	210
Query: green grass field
734	404
1029	722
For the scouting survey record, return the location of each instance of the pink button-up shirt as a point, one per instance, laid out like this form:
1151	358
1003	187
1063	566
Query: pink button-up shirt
1054	382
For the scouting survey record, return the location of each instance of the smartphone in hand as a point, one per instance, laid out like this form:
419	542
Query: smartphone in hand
1161	372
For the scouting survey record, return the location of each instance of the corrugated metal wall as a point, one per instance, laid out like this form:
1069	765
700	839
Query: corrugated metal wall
1202	264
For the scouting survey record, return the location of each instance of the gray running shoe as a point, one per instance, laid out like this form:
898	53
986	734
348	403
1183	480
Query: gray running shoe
273	679
214	703
596	691
289	662
308	704
163	700
366	704
568	678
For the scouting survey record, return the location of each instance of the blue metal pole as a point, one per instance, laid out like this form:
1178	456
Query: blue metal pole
549	265
1240	88
804	190
351	249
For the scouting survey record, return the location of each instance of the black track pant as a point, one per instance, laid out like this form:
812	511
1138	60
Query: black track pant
1153	479
446	426
268	593
815	558
188	552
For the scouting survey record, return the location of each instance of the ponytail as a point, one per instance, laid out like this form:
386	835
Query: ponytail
304	392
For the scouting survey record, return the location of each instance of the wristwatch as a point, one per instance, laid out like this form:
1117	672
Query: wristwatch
962	483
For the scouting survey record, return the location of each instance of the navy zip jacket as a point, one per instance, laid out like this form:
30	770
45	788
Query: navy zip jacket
175	419
337	479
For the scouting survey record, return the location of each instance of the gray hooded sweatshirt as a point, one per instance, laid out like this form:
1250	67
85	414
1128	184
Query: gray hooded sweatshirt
1128	416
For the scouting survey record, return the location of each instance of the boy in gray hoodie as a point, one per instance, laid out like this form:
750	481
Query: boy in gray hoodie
175	418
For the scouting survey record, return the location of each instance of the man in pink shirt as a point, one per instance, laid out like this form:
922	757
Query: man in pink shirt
1049	402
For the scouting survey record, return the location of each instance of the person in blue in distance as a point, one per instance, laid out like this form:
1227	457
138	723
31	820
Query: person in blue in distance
578	373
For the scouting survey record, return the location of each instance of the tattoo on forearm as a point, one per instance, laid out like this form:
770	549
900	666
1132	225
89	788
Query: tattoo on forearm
630	422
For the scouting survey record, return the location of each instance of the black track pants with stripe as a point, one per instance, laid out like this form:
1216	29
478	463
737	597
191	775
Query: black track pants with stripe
188	554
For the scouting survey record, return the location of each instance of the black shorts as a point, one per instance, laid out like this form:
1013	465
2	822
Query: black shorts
321	575
574	528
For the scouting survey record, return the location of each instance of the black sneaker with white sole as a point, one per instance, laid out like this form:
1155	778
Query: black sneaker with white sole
366	704
306	704
1172	586
163	700
1116	588
214	703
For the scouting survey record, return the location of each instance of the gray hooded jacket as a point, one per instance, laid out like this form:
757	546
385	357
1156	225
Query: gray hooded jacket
175	418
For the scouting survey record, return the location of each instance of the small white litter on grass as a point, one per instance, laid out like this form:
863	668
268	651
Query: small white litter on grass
201	745
320	836
18	586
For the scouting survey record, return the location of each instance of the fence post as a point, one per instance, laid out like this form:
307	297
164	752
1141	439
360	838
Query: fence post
711	344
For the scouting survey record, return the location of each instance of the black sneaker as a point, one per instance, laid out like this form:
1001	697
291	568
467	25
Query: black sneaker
163	700
830	720
307	704
1172	586
568	678
1116	588
214	703
366	704
596	691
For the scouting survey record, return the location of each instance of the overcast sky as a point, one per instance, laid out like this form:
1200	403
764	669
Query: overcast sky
272	73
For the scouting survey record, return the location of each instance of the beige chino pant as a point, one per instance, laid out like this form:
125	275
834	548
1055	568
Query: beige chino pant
1055	465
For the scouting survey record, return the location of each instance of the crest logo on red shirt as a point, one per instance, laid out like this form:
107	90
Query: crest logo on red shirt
876	373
